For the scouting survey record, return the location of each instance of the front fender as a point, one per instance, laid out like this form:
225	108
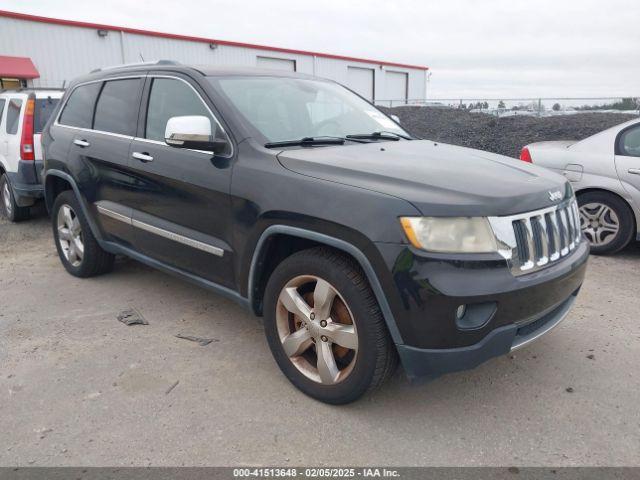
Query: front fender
338	244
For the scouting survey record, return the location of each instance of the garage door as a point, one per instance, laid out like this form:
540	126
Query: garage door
396	84
361	80
277	64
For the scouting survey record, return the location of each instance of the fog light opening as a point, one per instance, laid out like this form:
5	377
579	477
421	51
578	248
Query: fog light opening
475	315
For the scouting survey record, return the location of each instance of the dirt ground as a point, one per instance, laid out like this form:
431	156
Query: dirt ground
78	387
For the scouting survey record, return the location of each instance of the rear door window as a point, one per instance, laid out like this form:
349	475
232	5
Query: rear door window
117	107
13	115
78	111
44	109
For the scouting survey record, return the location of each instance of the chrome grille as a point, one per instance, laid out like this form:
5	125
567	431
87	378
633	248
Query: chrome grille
533	240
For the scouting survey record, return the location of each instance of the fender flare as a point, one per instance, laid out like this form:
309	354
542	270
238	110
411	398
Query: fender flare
83	204
339	244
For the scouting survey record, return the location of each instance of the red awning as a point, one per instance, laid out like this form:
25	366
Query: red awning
17	67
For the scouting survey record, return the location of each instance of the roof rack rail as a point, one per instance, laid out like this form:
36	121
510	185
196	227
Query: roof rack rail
29	89
136	64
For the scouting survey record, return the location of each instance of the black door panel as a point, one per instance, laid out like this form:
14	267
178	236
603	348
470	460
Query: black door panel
105	160
184	191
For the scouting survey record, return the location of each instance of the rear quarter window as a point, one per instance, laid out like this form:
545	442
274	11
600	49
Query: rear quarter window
43	109
78	111
13	116
630	142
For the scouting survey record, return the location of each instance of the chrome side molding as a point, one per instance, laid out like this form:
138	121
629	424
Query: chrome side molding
161	232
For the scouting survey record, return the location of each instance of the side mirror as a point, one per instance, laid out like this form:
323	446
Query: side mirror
195	132
395	118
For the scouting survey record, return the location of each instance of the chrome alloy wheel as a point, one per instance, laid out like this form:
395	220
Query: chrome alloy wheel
599	223
70	235
6	198
317	329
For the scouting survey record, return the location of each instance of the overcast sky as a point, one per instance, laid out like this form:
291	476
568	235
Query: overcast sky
490	48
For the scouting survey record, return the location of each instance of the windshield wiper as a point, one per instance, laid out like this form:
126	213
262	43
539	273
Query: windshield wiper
382	135
311	142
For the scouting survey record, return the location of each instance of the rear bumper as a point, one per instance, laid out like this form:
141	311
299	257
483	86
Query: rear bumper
26	184
432	363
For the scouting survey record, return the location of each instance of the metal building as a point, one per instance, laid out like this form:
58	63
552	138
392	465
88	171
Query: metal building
47	52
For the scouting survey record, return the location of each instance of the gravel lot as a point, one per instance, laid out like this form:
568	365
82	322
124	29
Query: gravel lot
78	387
506	135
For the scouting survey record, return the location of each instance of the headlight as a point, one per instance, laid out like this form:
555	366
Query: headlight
450	234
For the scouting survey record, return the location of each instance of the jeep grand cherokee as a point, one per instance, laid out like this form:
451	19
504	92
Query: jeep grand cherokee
359	244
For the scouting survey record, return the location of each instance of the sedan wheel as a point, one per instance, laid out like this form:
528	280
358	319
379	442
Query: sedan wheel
606	221
70	235
599	223
317	330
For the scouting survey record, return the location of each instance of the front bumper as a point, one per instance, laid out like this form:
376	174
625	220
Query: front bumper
435	362
425	291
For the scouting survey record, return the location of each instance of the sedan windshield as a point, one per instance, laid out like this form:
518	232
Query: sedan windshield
288	109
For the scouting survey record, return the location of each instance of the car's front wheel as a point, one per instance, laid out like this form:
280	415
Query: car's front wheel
606	221
78	249
325	328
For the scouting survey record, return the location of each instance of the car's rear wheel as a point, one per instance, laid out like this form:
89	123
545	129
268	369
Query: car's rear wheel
325	328
78	249
10	208
606	221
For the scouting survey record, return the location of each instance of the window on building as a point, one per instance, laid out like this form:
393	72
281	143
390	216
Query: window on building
2	102
271	63
78	111
10	83
13	115
117	107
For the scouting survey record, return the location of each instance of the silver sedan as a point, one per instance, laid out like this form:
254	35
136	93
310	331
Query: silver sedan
604	170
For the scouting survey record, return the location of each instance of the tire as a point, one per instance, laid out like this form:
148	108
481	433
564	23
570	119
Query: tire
70	225
607	222
10	209
351	318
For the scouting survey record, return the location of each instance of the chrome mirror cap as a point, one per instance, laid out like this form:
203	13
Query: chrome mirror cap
194	132
187	129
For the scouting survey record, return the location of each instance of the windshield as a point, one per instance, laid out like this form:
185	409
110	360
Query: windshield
291	108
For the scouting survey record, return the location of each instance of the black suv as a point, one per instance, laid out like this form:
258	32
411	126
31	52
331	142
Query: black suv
358	243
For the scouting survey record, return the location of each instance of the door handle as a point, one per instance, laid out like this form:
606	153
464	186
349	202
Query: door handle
634	171
81	143
142	156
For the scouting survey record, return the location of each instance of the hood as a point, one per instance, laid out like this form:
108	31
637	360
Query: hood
438	179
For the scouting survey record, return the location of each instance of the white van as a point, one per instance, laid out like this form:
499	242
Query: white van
23	115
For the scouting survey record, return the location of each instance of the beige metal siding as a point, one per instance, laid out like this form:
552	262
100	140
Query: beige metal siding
63	52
